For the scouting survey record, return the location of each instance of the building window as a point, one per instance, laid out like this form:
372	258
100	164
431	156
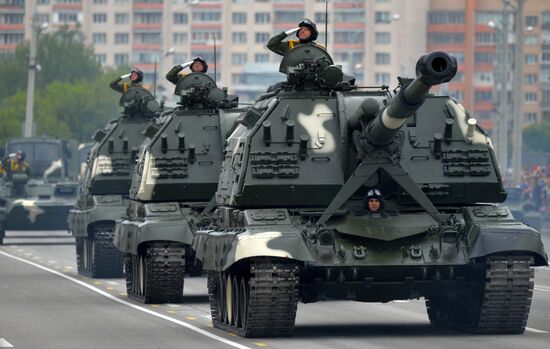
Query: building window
261	57
179	38
545	96
262	38
484	57
530	97
458	55
122	18
239	17
207	16
262	17
446	17
238	38
99	38
285	16
382	58
531	40
121	38
382	78
147	17
546	17
100	1
531	79
349	37
67	17
545	57
445	38
99	18
486	38
531	21
100	58
382	37
121	59
181	18
381	17
238	58
320	17
531	117
531	59
354	15
483	96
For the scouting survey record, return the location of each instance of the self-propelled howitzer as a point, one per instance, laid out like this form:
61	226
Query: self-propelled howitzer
106	184
291	223
176	177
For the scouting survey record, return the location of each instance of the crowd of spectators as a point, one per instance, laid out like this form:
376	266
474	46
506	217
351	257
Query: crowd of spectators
535	186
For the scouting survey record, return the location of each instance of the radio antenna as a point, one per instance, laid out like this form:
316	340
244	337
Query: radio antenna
326	25
215	61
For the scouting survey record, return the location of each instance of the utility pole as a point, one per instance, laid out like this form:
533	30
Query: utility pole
503	130
31	75
518	95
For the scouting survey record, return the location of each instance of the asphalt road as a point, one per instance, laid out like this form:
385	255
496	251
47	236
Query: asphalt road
44	303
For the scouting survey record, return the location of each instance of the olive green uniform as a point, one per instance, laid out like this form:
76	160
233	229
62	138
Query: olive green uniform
172	75
124	86
277	45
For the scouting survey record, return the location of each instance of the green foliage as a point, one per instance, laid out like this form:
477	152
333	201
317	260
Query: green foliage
62	109
62	55
72	94
537	137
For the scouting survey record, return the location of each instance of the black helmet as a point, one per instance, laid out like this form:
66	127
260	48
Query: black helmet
200	59
374	193
139	73
307	23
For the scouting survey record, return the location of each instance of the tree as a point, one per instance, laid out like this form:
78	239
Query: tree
63	109
537	137
62	55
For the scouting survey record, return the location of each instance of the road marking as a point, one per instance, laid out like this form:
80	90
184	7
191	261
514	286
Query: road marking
542	289
260	344
191	318
534	330
109	288
172	311
5	344
133	306
113	283
97	282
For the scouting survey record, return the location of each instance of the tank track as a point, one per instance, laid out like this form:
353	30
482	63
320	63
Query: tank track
507	296
500	305
272	288
164	264
106	260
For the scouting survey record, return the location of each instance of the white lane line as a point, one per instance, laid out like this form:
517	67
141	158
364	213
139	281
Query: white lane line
542	289
5	344
128	304
534	330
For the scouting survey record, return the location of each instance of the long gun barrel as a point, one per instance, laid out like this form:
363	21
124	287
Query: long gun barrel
431	69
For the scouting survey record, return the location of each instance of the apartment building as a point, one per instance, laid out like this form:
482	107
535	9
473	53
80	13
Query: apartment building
374	40
469	29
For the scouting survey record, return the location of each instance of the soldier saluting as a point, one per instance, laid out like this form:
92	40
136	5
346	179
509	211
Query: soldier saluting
197	65
136	77
306	32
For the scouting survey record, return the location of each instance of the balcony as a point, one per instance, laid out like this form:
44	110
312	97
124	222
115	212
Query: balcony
12	27
148	26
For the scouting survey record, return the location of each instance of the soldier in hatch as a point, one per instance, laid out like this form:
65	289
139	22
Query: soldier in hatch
306	32
136	77
374	202
16	165
197	65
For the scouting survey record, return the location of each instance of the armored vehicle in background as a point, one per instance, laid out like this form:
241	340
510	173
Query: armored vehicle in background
177	176
290	222
106	184
41	199
523	209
